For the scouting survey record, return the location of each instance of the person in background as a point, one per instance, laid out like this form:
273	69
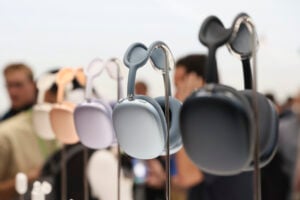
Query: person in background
21	150
288	145
21	88
274	181
141	88
189	75
286	108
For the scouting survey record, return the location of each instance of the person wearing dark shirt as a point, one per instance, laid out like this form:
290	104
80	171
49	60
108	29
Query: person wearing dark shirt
21	88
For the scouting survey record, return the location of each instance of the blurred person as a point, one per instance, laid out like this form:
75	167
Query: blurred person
188	76
286	107
141	88
274	181
21	150
21	88
289	129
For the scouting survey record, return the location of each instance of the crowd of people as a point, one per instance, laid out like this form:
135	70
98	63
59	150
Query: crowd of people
21	150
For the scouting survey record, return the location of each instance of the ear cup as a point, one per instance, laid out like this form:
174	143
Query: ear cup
216	123
175	135
273	137
268	126
41	121
93	124
102	174
62	122
142	136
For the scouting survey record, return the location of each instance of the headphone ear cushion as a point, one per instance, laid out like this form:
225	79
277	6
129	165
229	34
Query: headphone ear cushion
267	119
175	134
157	108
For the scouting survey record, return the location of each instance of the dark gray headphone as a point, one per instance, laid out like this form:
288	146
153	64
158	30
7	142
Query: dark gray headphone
217	122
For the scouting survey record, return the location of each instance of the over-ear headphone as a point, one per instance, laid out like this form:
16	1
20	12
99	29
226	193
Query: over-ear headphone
217	122
102	165
61	115
139	121
93	118
240	45
40	114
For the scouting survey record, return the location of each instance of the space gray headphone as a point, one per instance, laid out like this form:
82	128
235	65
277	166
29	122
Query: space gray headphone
139	121
217	121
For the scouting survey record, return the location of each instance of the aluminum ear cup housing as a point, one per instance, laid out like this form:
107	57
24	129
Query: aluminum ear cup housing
41	121
93	124
40	115
136	135
63	124
215	124
61	115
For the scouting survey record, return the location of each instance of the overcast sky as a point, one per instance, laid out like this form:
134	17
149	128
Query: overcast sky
46	34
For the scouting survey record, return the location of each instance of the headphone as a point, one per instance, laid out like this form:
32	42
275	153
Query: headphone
40	114
93	117
61	114
242	30
139	121
102	165
217	122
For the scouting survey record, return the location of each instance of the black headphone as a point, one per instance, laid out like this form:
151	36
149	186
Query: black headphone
217	122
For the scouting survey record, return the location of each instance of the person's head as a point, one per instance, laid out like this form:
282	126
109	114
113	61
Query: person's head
189	74
189	64
141	88
20	85
271	97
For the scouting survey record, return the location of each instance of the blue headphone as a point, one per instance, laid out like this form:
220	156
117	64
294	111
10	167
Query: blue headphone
139	121
217	122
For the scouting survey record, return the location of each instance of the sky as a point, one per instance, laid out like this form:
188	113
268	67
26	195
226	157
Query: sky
48	34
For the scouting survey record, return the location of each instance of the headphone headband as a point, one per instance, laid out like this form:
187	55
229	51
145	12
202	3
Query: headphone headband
43	84
241	44
96	67
138	54
213	34
118	73
63	77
